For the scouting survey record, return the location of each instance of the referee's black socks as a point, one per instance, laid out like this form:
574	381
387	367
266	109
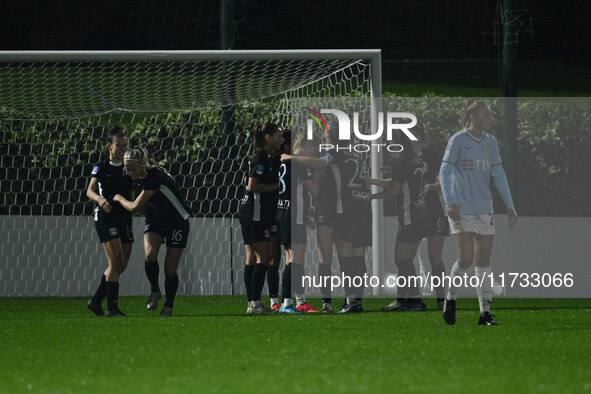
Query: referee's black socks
152	269
112	289
171	285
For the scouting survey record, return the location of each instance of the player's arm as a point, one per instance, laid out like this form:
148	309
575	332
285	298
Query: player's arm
255	186
435	187
451	156
500	180
378	182
311	162
91	193
391	191
137	204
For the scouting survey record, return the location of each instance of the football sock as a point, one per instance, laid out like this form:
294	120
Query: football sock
300	300
297	274
171	285
439	271
360	271
101	292
273	282
258	281
325	271
248	269
152	269
286	282
456	270
347	272
287	302
406	269
112	289
484	291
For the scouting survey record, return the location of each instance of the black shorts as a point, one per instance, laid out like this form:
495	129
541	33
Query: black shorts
175	233
254	232
438	225
323	218
291	234
274	229
109	229
353	228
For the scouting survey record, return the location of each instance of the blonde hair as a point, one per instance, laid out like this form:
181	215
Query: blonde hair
302	140
139	155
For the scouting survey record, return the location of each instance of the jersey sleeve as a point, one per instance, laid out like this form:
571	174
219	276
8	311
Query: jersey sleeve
302	172
499	177
496	155
401	171
452	152
152	182
96	172
256	167
328	157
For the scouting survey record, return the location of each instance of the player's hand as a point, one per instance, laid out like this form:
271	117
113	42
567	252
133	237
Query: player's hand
285	157
453	211
311	224
369	181
387	171
105	204
428	188
512	216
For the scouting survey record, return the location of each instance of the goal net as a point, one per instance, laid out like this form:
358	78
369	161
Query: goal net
193	112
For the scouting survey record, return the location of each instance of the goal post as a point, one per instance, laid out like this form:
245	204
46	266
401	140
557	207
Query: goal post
55	107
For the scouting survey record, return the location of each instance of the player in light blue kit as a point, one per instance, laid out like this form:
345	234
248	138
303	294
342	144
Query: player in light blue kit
471	158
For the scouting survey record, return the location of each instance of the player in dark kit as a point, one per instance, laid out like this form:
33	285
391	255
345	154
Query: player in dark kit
166	221
257	211
292	218
325	204
112	222
421	215
352	230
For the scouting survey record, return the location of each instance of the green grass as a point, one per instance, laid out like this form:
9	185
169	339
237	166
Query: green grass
210	345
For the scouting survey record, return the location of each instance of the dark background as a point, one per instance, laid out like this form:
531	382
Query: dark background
437	41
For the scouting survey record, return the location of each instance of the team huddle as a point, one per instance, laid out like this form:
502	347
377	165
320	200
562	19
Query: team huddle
290	190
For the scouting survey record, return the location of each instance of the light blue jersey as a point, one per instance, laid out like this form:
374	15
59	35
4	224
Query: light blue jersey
465	173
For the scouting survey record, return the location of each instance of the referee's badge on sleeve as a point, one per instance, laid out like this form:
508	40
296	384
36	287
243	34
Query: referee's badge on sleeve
95	170
260	169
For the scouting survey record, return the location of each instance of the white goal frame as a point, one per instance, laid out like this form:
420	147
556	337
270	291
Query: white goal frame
371	55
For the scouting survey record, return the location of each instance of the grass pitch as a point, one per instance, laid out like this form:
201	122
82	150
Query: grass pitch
210	345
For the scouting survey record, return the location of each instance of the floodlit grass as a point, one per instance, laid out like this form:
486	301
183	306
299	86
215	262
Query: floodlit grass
210	345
